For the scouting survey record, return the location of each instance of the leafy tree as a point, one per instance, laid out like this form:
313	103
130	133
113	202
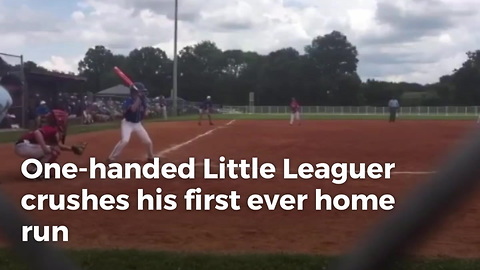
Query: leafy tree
249	79
445	90
279	77
467	79
152	67
200	66
333	54
335	60
96	66
326	74
30	65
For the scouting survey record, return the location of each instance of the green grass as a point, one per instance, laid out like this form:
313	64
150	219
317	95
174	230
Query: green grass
12	136
143	260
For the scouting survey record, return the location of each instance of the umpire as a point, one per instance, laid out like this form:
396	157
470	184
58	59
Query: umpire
393	107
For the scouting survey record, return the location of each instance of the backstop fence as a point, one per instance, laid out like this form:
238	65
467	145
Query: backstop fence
17	116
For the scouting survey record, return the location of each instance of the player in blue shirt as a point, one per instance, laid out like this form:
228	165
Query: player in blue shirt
41	113
206	108
134	109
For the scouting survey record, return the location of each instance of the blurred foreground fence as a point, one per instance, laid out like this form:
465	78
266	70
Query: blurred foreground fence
365	110
13	64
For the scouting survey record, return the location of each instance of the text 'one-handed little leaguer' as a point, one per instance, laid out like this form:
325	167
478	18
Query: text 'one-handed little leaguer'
134	111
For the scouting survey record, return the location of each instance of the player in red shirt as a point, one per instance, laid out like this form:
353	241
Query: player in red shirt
295	111
46	142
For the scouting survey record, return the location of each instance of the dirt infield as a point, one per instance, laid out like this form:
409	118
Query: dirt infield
415	146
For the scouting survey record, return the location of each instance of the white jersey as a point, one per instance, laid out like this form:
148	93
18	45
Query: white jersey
5	102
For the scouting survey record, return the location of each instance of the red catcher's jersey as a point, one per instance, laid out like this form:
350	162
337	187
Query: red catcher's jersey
294	106
49	135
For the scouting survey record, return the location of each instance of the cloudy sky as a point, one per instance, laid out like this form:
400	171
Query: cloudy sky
410	40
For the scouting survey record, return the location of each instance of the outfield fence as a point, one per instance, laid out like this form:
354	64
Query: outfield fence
354	110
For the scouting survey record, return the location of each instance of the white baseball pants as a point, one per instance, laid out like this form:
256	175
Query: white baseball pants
126	130
294	116
30	150
164	112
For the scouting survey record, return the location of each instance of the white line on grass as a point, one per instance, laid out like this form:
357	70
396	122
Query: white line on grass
178	146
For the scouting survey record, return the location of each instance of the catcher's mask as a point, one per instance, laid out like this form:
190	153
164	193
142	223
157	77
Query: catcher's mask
59	119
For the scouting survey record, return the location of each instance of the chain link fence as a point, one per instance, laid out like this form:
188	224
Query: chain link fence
355	110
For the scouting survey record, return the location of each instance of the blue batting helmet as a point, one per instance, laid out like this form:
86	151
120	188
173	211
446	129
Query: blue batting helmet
138	86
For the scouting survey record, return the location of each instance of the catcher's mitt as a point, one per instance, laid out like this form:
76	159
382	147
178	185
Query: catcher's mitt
79	148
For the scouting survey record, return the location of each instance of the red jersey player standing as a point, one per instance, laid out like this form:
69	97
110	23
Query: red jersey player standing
295	111
46	142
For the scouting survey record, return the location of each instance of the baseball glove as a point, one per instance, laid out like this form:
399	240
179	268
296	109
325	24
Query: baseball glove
79	148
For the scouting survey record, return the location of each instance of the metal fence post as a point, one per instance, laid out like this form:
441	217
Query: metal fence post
24	93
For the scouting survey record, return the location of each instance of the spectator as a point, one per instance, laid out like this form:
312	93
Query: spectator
12	120
41	113
163	107
88	113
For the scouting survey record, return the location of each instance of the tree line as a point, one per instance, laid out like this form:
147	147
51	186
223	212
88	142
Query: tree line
325	73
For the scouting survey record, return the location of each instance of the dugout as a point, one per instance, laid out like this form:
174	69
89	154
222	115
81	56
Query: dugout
117	91
53	87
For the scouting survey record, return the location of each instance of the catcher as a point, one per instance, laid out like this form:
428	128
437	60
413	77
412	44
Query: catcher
47	142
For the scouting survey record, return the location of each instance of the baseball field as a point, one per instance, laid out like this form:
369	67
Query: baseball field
247	239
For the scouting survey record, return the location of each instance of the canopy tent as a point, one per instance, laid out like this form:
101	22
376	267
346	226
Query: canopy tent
115	91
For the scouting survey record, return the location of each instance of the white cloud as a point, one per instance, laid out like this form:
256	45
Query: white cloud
78	16
401	40
61	64
12	42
